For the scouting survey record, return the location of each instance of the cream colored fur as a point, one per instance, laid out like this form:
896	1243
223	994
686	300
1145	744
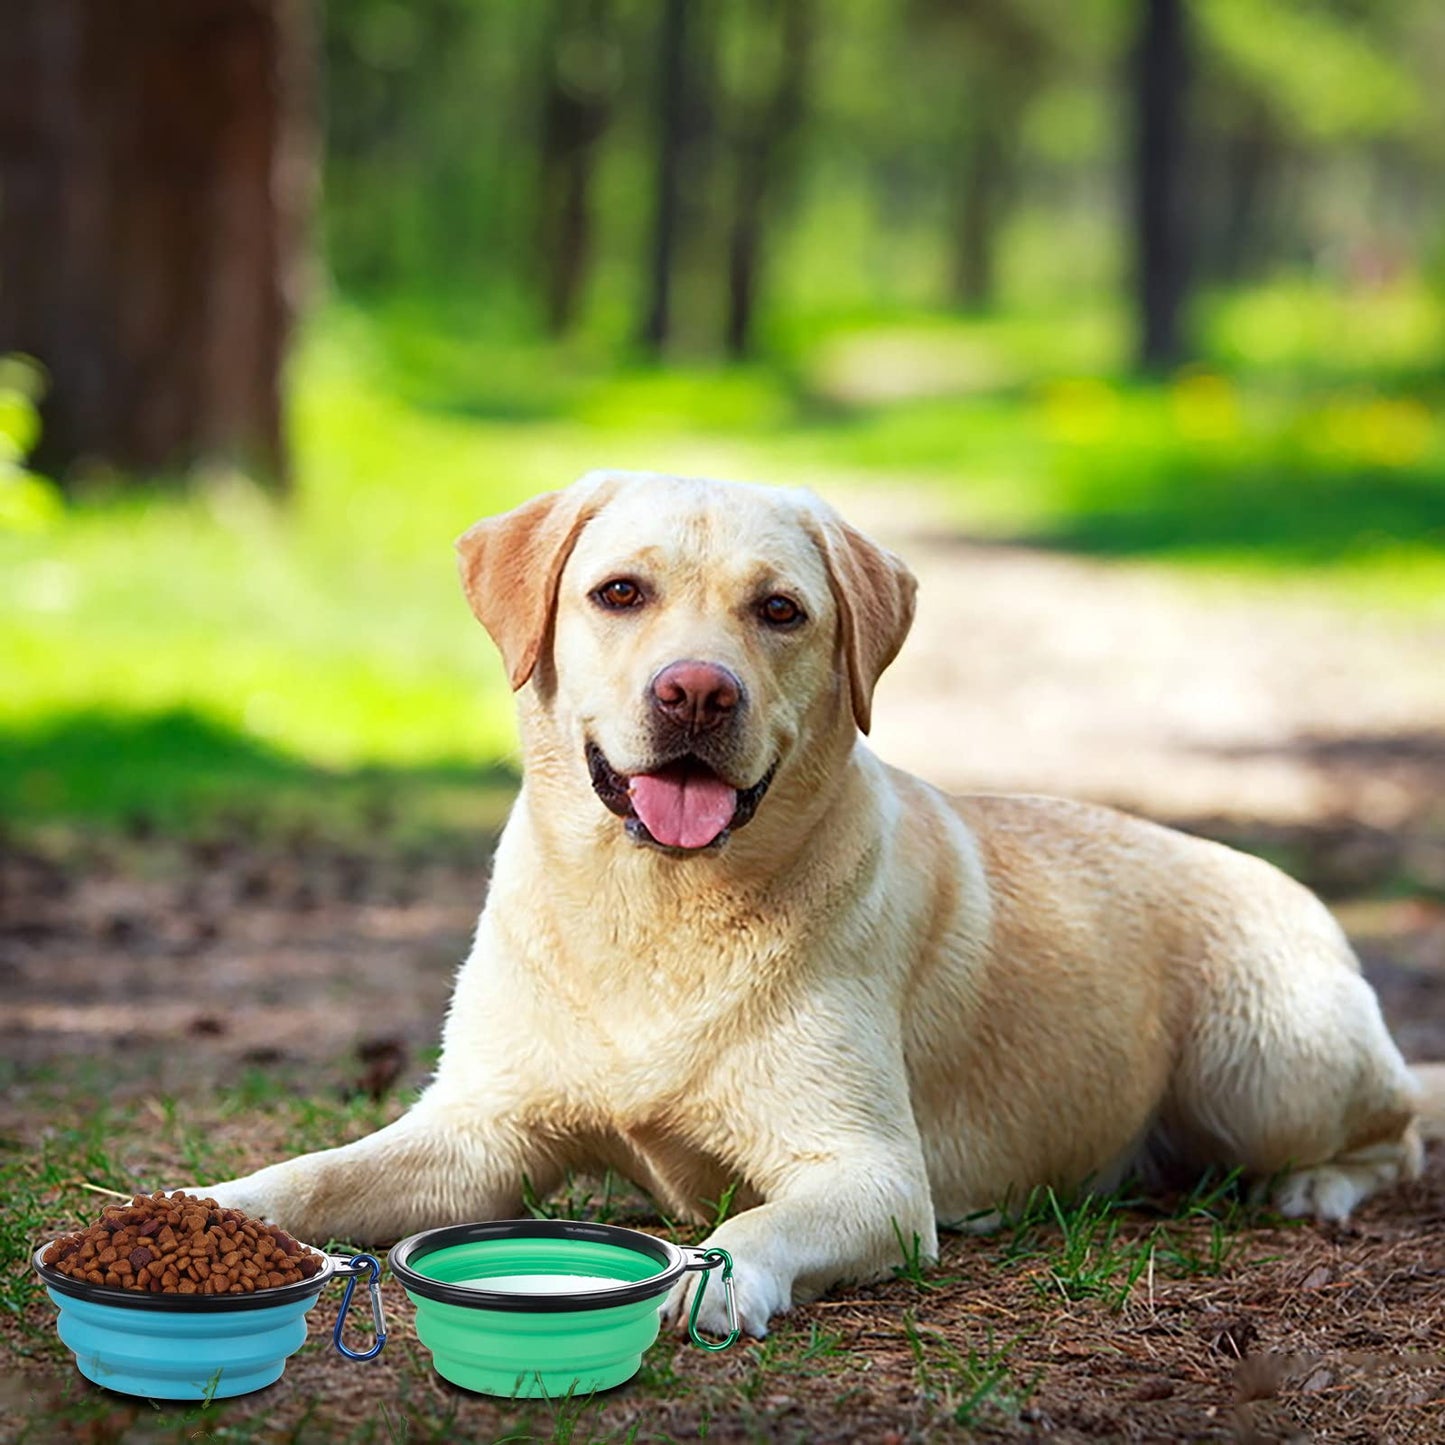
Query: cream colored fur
879	1008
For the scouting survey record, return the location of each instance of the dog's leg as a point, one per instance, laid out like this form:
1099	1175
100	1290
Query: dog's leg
1305	1089
1331	1191
829	1223
440	1163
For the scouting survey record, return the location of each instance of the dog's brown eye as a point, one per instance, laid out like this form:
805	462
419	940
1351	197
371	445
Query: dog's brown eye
780	611
619	593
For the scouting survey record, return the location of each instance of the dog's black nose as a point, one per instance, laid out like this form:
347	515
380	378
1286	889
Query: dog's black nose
696	695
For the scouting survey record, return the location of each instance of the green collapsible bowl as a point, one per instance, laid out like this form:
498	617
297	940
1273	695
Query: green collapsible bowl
527	1307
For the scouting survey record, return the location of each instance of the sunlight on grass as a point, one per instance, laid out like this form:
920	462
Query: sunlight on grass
331	634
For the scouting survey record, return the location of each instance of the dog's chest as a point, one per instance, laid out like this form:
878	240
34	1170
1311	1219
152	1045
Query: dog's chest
645	1058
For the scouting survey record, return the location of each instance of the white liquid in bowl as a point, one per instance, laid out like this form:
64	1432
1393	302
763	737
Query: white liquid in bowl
541	1283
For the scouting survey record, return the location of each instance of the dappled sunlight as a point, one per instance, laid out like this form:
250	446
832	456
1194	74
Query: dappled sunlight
333	630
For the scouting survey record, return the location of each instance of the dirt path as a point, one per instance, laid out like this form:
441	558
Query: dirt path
1038	671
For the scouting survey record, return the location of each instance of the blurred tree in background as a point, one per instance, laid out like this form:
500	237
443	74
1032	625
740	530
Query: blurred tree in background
669	149
155	168
670	177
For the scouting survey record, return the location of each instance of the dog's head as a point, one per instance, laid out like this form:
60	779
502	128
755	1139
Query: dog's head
690	644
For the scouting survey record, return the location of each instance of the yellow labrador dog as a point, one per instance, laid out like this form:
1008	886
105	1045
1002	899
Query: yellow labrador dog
724	942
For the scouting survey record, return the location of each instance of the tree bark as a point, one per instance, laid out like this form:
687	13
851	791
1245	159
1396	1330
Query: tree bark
155	169
1161	155
765	145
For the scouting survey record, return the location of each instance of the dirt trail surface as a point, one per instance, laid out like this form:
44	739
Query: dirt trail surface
1041	672
158	976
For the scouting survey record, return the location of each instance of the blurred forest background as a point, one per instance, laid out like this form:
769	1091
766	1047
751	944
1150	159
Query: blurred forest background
1123	320
290	293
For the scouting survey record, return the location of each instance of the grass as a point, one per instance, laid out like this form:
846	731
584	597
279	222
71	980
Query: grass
578	1197
1089	1245
966	1385
970	1346
169	657
916	1268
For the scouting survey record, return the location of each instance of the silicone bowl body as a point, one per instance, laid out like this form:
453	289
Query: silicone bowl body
588	1334
181	1347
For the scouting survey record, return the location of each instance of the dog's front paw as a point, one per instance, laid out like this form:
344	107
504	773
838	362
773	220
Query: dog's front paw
760	1295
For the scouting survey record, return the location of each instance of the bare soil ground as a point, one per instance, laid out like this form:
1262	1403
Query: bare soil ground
209	1003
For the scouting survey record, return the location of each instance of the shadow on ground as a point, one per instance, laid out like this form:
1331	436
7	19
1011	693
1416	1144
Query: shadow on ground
179	771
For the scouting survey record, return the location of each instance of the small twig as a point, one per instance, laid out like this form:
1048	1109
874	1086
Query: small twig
101	1189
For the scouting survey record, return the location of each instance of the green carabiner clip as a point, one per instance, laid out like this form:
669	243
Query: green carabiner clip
709	1261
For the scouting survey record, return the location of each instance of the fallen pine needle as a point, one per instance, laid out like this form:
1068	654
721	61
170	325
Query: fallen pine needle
101	1189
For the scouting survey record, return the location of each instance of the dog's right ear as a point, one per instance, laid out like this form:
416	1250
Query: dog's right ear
510	567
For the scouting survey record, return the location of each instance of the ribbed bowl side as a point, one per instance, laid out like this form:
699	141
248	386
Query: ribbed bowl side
175	1356
517	1354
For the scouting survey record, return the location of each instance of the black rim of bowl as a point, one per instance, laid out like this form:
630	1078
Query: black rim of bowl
136	1299
672	1265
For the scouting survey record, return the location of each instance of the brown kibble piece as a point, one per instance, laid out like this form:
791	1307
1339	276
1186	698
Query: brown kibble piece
179	1244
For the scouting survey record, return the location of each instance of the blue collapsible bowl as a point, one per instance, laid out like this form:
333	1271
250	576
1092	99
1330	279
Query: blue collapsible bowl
191	1347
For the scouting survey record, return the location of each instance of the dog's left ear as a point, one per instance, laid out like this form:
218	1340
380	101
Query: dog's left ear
874	592
510	567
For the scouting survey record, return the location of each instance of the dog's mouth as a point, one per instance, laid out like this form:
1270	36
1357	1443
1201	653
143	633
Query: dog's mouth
681	805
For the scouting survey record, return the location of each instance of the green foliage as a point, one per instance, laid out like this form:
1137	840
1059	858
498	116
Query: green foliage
1313	125
28	503
1327	72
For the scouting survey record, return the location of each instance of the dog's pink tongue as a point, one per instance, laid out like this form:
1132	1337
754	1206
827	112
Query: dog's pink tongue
683	810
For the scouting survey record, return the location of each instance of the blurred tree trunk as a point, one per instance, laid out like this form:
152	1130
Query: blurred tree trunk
671	122
981	192
767	138
576	111
1250	158
155	167
1160	184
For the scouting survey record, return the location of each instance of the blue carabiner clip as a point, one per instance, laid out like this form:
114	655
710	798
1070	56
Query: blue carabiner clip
355	1266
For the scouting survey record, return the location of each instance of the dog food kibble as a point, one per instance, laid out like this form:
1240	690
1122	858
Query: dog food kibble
180	1244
